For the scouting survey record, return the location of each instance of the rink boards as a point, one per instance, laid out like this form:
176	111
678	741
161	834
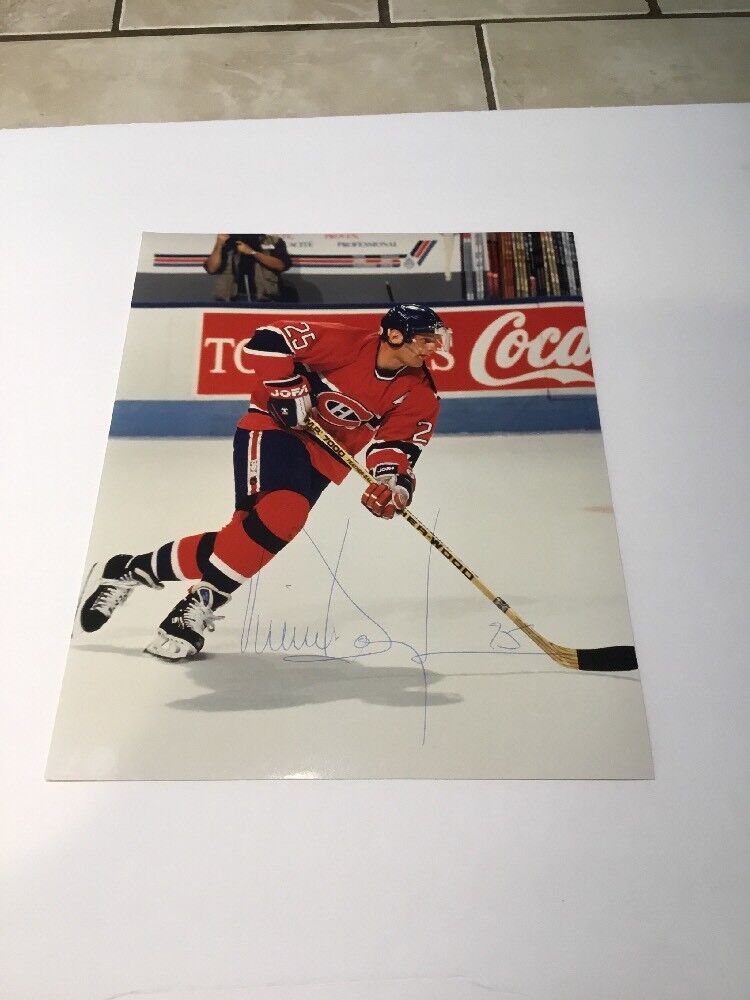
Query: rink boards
517	367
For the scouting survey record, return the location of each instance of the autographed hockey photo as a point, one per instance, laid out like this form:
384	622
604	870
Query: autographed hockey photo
354	521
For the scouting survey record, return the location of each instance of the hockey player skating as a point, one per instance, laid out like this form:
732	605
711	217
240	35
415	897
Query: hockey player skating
365	388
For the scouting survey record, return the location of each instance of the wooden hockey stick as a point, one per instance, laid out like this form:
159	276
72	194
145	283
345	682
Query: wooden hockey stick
607	658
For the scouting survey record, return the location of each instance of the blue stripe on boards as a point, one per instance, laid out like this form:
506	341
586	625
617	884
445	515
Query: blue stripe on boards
520	414
475	415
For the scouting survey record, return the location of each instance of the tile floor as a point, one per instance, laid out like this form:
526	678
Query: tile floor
98	61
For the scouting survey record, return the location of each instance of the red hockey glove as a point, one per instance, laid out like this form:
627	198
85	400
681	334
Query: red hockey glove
390	493
289	400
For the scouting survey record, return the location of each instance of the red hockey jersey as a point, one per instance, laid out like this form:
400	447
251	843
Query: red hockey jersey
354	400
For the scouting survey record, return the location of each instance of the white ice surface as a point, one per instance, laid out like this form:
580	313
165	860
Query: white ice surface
531	514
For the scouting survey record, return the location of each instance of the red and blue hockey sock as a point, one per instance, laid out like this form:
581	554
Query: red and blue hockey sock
185	559
227	558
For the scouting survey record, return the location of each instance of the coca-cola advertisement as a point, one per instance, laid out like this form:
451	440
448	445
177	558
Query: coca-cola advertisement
354	521
491	349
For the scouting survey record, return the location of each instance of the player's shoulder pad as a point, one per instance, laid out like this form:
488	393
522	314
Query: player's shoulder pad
343	339
268	340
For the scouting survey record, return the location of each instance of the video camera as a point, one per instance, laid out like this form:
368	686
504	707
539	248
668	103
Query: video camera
252	240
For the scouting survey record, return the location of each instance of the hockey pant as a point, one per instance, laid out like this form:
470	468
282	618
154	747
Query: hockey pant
275	487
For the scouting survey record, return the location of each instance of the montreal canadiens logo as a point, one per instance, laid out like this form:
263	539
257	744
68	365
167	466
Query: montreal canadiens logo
341	410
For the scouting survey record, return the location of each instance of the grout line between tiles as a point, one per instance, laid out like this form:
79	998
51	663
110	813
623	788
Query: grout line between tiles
243	29
117	17
486	65
57	36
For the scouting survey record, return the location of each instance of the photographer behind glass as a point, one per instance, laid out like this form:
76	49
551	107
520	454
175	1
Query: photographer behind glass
248	266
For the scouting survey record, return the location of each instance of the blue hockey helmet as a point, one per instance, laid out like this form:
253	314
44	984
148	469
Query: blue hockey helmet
412	319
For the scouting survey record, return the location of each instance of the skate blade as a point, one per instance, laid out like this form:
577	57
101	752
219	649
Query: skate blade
167	647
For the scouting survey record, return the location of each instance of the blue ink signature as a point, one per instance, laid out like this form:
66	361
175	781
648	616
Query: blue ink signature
264	639
260	636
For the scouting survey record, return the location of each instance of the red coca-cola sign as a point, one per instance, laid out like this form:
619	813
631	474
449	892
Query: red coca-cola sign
493	349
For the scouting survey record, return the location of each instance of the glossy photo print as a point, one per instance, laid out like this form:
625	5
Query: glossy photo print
354	521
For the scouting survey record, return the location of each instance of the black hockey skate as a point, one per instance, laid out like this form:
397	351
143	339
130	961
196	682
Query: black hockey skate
115	587
180	635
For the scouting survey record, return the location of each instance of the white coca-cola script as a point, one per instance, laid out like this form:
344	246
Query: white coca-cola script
551	353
